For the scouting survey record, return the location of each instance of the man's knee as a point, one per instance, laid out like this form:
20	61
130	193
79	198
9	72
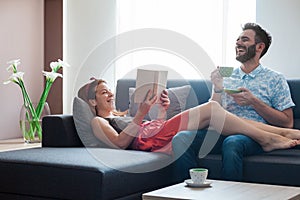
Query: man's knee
232	144
182	141
183	138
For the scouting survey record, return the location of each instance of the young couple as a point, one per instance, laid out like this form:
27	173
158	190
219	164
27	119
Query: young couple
156	135
241	117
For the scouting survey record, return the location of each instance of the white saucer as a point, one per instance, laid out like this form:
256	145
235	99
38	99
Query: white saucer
190	183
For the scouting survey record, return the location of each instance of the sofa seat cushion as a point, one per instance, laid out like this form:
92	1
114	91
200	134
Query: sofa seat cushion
276	167
82	173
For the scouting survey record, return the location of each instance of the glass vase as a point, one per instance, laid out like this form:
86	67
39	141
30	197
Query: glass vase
32	128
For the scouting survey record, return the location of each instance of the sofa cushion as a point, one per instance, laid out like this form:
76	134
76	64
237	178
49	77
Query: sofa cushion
83	173
265	168
83	116
177	95
200	92
294	87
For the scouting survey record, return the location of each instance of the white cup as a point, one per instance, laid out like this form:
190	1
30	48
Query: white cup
198	175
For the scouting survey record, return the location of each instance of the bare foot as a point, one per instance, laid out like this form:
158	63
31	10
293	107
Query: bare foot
279	142
291	133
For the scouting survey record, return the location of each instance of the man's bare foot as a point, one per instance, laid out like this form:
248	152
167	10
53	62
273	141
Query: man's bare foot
279	142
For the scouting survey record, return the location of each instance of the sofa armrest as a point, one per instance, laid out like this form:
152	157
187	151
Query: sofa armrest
60	131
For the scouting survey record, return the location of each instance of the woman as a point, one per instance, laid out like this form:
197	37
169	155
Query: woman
156	135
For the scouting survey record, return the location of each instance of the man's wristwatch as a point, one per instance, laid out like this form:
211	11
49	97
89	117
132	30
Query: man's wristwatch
218	91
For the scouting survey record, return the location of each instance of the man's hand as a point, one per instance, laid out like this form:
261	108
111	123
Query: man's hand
217	80
244	98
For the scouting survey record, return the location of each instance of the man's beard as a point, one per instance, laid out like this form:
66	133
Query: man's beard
250	53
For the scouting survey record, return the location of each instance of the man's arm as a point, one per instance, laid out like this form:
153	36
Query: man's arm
272	116
217	82
216	97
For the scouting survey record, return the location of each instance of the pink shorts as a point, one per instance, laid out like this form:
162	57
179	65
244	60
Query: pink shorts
156	135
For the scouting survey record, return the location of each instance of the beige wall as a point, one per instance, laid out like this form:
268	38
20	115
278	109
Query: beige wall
21	36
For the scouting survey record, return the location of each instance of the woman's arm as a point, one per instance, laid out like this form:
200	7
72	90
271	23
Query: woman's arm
107	134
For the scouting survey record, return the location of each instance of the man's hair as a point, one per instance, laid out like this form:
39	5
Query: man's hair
261	35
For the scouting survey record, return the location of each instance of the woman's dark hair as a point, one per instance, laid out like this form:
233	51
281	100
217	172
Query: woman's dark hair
88	91
261	35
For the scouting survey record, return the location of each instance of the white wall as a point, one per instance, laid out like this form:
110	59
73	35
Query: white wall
88	23
21	36
281	19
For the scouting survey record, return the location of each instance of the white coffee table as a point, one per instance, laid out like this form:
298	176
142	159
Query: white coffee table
226	190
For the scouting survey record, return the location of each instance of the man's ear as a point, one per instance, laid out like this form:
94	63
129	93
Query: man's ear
261	46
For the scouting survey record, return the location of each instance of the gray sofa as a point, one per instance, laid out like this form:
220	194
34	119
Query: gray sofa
64	169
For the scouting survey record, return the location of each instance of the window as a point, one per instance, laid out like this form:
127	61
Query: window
214	25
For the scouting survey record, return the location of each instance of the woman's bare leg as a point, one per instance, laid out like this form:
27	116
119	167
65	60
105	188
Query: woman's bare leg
286	132
212	114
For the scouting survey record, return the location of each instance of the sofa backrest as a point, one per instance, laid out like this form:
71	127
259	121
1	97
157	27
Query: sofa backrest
294	85
60	131
200	93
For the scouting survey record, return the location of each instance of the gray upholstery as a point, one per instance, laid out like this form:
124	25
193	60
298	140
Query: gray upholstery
294	85
83	116
200	92
79	173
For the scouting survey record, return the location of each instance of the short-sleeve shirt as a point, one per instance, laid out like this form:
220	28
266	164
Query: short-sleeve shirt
269	86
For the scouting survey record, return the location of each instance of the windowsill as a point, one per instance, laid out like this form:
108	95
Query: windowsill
16	144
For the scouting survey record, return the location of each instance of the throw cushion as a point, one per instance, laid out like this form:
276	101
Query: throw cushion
83	115
177	95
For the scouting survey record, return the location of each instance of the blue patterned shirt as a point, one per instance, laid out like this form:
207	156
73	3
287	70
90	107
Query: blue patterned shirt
269	86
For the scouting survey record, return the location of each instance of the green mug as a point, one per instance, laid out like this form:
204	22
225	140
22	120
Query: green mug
225	71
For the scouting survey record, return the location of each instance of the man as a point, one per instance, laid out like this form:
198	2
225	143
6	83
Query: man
264	97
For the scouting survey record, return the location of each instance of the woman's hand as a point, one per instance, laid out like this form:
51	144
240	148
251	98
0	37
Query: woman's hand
163	105
165	101
145	106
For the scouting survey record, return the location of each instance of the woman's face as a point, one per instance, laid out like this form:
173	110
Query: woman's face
104	100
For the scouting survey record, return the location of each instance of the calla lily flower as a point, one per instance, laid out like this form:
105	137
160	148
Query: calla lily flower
33	114
13	65
63	64
55	66
51	76
15	78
